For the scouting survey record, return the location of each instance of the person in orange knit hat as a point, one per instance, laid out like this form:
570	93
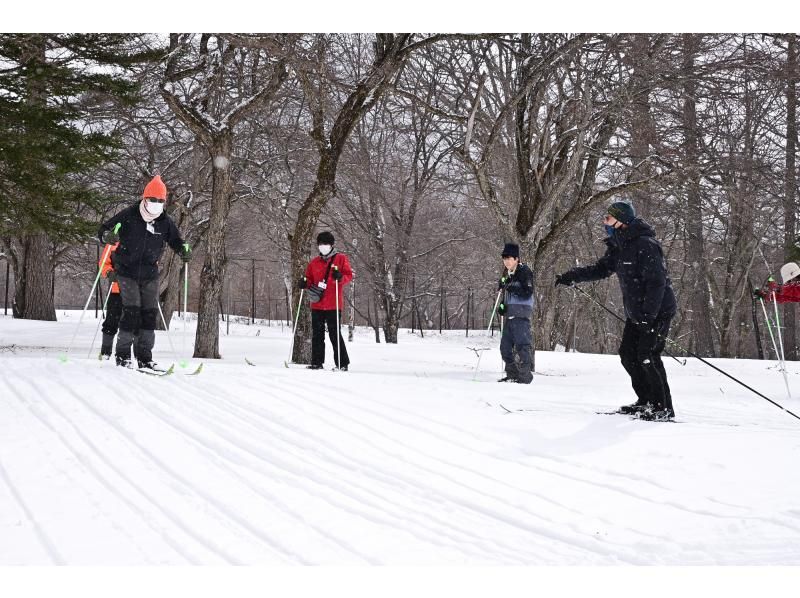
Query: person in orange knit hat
144	230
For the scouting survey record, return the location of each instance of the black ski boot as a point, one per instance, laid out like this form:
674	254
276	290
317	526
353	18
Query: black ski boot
634	409
122	362
657	415
148	365
512	373
314	366
525	376
106	346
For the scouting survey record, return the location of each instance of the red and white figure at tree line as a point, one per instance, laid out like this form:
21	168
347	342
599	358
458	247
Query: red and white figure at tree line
324	281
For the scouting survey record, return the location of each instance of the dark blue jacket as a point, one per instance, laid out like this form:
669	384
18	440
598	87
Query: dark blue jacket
635	255
139	249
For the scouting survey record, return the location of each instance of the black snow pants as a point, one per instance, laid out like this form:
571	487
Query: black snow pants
111	323
319	318
641	358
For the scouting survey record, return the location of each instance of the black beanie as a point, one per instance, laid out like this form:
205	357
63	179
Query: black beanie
510	250
622	211
325	238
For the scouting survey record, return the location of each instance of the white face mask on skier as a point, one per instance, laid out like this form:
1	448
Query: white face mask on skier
154	207
325	249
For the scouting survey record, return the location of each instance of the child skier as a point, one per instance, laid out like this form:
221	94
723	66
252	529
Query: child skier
113	305
516	307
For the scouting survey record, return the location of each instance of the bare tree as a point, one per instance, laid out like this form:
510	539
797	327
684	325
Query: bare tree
697	284
790	185
198	90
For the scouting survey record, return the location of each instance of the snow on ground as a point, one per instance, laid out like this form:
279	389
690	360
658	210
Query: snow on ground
404	460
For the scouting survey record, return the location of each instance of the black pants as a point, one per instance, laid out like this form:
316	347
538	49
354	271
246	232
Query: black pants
648	377
139	315
517	338
111	323
319	318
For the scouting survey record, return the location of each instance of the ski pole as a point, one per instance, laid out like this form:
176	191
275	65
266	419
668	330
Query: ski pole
491	319
502	325
105	303
769	328
185	305
711	365
338	331
778	328
772	336
294	328
618	317
89	298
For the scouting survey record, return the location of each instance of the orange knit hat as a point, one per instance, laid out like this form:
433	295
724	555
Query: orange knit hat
155	189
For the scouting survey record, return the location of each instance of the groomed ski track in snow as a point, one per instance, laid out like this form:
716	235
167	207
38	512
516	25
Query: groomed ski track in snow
402	461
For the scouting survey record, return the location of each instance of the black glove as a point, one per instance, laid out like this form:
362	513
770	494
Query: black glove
110	237
111	276
186	253
301	282
337	274
501	309
565	279
503	282
759	293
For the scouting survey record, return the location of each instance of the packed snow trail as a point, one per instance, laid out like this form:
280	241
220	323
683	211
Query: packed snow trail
404	460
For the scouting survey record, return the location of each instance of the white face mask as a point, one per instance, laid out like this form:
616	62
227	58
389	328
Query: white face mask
325	249
154	207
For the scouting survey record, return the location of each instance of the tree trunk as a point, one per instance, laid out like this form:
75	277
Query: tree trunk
33	275
213	273
391	324
172	276
789	207
299	242
697	263
642	129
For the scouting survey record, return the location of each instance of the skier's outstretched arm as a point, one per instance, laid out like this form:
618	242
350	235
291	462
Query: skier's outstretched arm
605	267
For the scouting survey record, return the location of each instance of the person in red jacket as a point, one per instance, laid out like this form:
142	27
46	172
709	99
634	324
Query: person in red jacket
784	293
322	275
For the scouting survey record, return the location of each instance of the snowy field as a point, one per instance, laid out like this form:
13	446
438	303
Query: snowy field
404	460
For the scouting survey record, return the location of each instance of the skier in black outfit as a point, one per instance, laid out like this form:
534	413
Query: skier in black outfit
636	256
144	232
516	307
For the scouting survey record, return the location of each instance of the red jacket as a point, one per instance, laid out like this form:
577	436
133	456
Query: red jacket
316	270
787	293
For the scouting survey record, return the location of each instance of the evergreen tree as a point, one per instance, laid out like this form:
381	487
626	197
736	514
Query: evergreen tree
51	89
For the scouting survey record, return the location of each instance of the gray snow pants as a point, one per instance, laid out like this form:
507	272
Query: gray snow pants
139	314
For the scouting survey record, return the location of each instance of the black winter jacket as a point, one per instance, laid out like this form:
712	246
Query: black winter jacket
518	298
139	250
636	256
